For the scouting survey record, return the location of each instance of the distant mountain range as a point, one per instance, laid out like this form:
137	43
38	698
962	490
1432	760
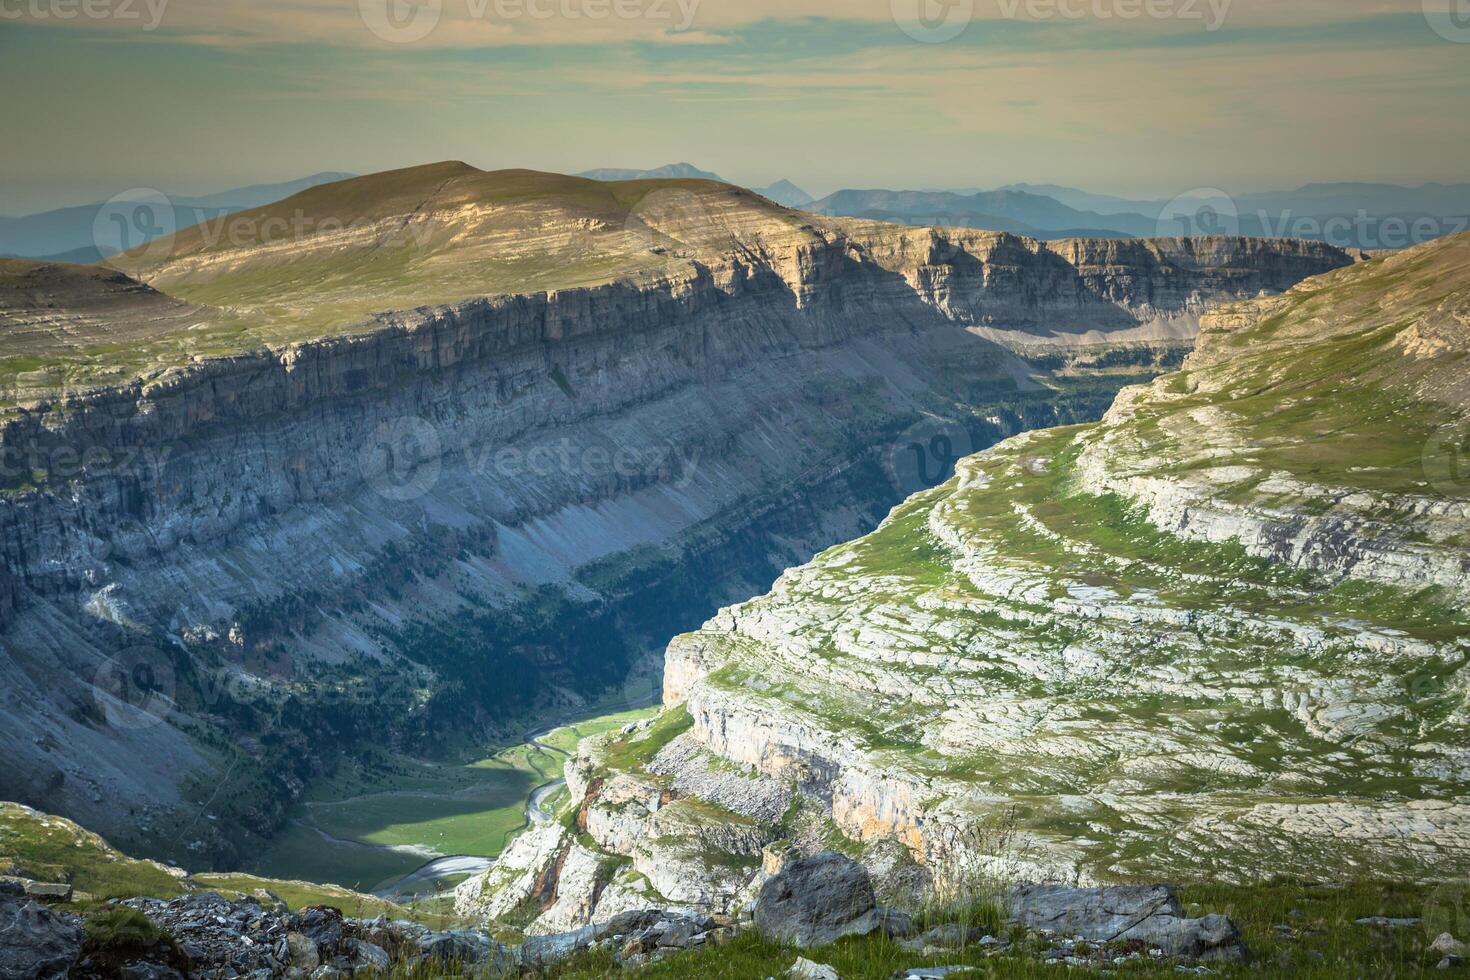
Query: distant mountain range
72	234
1348	215
667	171
1361	215
786	193
783	192
1019	212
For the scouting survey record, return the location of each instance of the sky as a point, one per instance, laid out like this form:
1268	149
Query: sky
1132	97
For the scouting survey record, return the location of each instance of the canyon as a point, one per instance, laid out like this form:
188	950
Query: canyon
460	446
1219	632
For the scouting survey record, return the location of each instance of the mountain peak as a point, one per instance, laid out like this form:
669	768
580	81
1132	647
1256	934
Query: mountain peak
786	193
667	171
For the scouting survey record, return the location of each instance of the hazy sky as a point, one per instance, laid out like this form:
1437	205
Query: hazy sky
1148	97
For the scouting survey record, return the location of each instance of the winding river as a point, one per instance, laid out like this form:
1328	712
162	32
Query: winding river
412	883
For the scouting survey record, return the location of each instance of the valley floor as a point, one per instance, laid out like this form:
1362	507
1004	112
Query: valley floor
382	823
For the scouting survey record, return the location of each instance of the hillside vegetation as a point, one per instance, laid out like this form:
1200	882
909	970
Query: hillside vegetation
1221	633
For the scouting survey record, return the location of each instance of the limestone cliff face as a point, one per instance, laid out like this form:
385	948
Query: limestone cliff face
232	563
1222	629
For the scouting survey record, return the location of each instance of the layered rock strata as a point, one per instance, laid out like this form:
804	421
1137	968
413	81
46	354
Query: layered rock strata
1220	632
413	525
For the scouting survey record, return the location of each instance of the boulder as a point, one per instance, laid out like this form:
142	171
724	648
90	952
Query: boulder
35	942
302	952
368	958
321	924
819	899
545	950
805	969
1447	945
1151	914
466	948
39	891
625	923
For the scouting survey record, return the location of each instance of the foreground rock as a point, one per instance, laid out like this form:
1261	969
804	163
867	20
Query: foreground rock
35	942
820	899
219	937
1146	914
635	938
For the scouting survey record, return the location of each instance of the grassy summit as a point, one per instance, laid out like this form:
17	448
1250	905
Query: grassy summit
69	326
353	256
1354	379
333	255
1222	631
333	258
